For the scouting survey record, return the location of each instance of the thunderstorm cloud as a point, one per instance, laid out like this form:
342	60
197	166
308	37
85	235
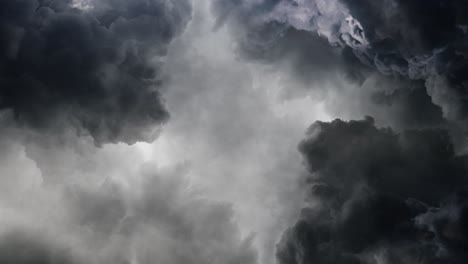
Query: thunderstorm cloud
233	131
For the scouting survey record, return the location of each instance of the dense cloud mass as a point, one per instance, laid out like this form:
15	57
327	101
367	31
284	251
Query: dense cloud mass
92	66
411	40
158	220
376	195
86	85
379	197
155	216
22	248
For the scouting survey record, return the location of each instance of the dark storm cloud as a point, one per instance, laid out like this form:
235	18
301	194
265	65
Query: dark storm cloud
417	41
379	197
95	70
407	101
376	196
268	40
421	40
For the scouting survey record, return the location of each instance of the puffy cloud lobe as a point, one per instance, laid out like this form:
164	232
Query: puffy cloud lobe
94	70
379	197
405	39
164	222
155	219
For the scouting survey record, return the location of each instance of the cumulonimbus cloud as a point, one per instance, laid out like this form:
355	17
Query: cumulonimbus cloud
411	40
94	67
379	197
376	195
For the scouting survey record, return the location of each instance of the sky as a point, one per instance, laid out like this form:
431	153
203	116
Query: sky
233	131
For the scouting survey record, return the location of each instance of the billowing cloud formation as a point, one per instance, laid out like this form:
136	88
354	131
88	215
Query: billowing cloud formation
92	66
155	216
96	68
379	197
263	38
413	40
163	222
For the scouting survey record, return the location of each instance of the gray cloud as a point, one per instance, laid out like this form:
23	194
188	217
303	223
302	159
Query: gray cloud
227	164
161	222
226	120
221	125
21	248
379	197
413	41
376	196
114	210
94	70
